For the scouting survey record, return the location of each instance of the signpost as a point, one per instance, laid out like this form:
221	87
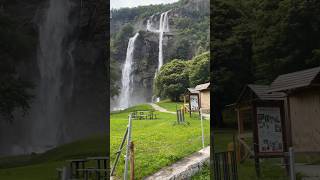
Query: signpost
193	103
269	135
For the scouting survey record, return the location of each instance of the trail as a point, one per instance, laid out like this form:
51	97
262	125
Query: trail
161	109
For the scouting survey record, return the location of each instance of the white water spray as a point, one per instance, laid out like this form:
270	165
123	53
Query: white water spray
150	25
47	120
126	80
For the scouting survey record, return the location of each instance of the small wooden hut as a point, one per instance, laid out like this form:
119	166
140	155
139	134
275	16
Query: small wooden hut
302	91
204	94
247	106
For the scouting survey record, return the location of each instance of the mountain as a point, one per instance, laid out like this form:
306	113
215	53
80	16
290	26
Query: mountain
189	35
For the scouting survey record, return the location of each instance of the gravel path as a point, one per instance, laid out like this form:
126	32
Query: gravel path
161	109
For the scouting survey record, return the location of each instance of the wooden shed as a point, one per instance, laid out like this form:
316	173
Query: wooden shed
204	93
252	99
250	94
198	98
302	91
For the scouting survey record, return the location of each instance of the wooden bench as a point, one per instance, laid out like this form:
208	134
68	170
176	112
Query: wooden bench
87	172
75	165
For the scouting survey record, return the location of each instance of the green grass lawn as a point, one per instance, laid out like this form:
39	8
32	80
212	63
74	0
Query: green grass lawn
270	168
204	174
43	166
158	143
169	105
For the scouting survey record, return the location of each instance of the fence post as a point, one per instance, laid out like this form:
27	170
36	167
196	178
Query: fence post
202	130
128	150
291	161
131	161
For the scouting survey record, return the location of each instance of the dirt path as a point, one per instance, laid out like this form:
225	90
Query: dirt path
161	109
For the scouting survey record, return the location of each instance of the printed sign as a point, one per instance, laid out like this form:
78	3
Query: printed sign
194	102
269	130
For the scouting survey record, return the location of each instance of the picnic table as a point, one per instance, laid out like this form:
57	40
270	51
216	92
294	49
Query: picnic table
144	115
88	171
100	161
75	165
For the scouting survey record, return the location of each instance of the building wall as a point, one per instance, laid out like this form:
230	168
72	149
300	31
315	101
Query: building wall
305	120
205	99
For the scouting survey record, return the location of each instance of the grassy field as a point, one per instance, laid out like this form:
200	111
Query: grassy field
158	143
270	168
170	106
204	174
43	166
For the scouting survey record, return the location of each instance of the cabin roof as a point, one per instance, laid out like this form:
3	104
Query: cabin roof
260	92
192	91
201	87
296	80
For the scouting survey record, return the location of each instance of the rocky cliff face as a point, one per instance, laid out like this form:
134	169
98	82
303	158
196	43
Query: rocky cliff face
85	104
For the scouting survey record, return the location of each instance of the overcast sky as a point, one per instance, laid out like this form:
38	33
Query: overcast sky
116	4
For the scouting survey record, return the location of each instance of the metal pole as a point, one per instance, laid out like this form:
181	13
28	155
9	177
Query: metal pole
202	128
128	150
131	161
292	169
119	152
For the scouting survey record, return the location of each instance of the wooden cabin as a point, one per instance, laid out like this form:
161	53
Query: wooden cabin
198	98
302	91
252	101
204	94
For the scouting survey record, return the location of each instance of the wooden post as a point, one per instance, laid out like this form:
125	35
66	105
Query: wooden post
240	131
131	161
184	102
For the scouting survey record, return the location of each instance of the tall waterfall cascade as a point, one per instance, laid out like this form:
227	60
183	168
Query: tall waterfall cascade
163	27
125	99
47	123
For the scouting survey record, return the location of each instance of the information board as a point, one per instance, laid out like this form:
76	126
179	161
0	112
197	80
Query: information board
269	127
194	102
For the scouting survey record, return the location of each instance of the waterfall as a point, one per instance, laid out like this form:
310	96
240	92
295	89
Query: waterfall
126	80
47	117
150	25
163	27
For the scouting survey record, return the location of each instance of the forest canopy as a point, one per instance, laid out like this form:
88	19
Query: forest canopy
255	41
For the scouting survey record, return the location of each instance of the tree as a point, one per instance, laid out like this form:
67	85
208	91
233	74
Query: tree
14	48
172	80
199	72
232	53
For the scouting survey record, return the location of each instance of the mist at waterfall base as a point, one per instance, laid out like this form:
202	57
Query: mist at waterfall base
56	115
129	96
